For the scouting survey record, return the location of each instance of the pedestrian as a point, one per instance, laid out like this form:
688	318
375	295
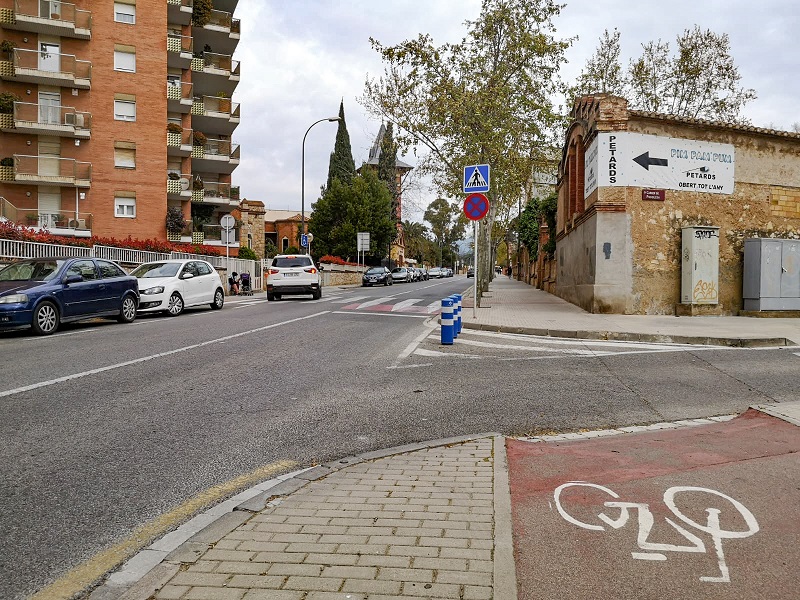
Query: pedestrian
233	283
510	271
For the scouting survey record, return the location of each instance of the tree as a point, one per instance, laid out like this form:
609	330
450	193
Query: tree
700	81
345	209
416	239
603	71
387	169
448	226
486	99
341	164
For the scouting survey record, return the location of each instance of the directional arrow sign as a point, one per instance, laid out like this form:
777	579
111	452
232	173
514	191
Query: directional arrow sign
645	161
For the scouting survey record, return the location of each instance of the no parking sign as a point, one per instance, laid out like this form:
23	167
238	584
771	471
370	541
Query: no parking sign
476	206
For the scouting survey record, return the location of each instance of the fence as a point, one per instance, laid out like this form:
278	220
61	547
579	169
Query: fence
127	257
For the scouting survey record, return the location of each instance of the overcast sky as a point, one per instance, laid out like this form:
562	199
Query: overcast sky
300	58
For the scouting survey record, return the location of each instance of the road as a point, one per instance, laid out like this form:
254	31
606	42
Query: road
106	427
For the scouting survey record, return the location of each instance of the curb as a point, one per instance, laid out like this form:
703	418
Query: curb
635	337
141	583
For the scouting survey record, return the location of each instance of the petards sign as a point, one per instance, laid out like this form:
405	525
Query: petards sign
650	161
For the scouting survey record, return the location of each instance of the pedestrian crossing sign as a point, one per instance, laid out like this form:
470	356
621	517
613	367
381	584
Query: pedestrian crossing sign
476	179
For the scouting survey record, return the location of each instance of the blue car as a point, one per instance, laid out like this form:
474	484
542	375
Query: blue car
42	293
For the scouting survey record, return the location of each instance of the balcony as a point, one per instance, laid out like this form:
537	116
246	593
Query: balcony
48	170
210	70
214	235
179	50
50	17
41	119
180	143
218	193
215	156
179	186
179	11
47	68
179	96
222	32
64	222
215	114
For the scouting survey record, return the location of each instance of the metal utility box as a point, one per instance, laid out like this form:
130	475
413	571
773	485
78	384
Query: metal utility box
700	265
771	274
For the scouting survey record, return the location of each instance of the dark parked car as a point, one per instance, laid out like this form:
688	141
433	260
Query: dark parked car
470	272
42	293
377	275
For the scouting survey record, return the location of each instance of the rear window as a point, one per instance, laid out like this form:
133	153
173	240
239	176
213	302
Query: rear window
286	262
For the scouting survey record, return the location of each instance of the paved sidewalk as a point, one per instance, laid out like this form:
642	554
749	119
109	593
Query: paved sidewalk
515	307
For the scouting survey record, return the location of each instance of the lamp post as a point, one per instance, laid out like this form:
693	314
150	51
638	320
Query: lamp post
303	175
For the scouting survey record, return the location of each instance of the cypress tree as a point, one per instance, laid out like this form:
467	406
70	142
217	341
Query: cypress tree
342	165
387	169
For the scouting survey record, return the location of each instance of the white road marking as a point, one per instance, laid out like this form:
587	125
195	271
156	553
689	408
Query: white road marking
410	302
374	302
354	313
413	345
411	367
577	351
423	352
128	363
434	306
340	300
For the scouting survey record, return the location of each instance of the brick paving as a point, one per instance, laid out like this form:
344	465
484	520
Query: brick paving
414	525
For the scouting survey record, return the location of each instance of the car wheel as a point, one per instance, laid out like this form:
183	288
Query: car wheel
219	299
175	305
127	313
45	319
270	296
317	295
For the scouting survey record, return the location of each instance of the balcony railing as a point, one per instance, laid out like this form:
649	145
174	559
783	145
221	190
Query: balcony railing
49	67
180	185
216	191
52	16
181	44
220	104
215	233
52	170
220	18
222	148
51	119
220	62
32	217
179	90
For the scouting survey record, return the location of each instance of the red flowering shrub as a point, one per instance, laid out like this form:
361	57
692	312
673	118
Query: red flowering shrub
12	231
335	260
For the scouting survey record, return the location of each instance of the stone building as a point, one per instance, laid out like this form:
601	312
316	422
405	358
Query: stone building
629	181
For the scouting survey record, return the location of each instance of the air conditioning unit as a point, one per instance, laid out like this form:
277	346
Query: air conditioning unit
184	183
70	118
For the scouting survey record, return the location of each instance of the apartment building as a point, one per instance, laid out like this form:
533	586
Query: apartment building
112	112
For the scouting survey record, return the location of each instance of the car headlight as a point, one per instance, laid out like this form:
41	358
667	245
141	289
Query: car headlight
14	299
153	290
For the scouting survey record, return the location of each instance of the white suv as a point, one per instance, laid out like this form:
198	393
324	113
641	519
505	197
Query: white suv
293	274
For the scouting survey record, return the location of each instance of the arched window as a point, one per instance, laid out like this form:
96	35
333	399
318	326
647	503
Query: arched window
285	244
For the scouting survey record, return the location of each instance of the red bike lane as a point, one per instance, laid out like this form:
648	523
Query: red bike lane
707	512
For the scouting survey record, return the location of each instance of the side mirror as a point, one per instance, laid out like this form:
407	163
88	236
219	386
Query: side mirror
187	276
74	278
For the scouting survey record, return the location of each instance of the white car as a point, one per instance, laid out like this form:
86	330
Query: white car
293	274
172	285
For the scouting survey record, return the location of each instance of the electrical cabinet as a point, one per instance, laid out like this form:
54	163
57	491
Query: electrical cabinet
700	265
771	274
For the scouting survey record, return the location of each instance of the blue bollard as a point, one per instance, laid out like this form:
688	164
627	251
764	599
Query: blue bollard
458	314
454	298
446	319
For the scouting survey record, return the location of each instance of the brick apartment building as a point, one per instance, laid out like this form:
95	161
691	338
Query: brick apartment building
112	112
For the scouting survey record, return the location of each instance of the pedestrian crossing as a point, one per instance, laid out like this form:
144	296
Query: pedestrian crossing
366	304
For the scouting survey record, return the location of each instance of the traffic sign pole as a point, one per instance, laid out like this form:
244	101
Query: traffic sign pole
475	263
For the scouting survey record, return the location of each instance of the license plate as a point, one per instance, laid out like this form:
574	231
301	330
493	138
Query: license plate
291	274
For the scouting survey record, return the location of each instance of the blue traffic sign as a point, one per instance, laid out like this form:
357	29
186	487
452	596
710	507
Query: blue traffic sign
476	206
304	241
476	179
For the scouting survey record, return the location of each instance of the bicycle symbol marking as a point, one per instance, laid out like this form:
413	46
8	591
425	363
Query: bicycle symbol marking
654	550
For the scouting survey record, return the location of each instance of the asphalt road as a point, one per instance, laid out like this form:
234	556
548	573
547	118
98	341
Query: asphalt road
106	427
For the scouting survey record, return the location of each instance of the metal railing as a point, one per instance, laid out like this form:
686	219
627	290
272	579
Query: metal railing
33	217
179	43
51	167
220	18
18	249
212	189
227	148
179	90
54	10
221	104
221	62
52	62
45	114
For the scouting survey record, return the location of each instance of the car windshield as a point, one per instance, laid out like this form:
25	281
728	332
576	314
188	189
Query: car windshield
32	270
153	270
375	271
284	262
399	270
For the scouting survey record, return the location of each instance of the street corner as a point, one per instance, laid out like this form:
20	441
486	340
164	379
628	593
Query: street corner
695	512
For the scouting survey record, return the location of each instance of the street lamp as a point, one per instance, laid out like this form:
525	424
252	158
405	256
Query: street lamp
303	175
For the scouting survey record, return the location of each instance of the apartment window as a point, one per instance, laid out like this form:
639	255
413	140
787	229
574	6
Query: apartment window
125	155
125	110
124	13
125	207
125	59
